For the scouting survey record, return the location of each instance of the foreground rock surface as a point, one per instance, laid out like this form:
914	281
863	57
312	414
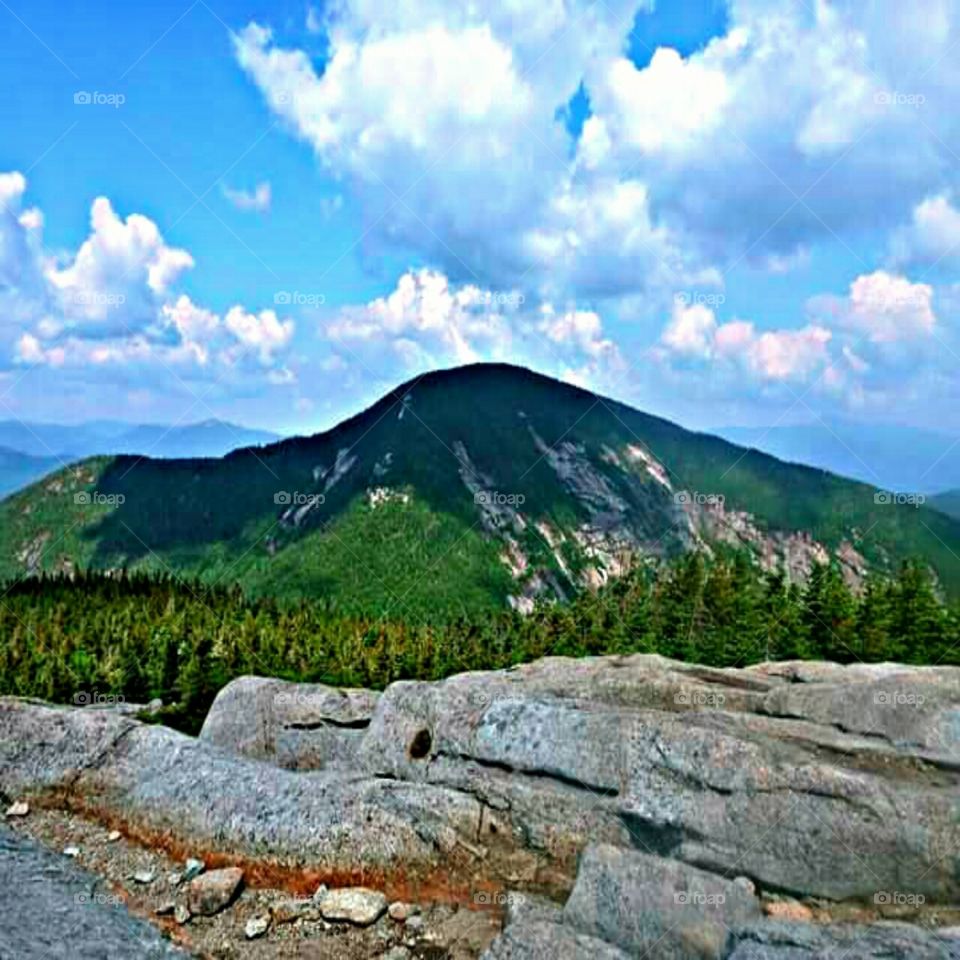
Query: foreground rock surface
52	910
656	780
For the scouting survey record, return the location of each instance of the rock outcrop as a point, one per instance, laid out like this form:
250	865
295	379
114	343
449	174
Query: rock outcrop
294	725
664	804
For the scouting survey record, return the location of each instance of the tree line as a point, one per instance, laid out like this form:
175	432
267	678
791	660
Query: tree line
141	637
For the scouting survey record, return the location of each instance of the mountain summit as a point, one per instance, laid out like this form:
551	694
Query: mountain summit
461	490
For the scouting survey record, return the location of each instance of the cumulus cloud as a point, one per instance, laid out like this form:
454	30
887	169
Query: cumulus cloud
445	117
932	237
883	308
693	333
427	321
118	278
114	305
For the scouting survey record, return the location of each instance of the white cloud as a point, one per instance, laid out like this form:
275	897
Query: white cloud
428	322
691	330
933	236
118	278
258	199
113	304
882	308
264	332
771	355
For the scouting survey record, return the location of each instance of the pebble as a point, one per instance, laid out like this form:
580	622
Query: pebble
400	911
71	851
144	876
174	879
113	836
166	909
256	927
181	914
415	924
18	809
212	892
356	905
192	868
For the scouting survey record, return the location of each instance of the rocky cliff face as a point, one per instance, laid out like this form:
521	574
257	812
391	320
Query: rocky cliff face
659	809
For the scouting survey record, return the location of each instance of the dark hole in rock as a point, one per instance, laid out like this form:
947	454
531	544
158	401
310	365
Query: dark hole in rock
420	744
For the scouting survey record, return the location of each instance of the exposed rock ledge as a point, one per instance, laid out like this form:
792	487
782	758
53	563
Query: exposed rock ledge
658	781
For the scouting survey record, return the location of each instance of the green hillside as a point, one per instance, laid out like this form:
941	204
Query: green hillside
381	514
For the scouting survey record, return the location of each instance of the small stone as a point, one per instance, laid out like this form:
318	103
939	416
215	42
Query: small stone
174	879
113	836
212	892
788	910
256	927
293	909
166	909
18	809
320	892
355	905
400	911
144	876
415	924
192	868
71	851
181	914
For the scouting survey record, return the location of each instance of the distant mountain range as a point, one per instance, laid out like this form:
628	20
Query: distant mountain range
897	458
465	489
948	503
19	469
211	438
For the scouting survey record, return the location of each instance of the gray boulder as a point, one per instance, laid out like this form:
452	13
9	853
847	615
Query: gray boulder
656	908
543	940
805	941
300	726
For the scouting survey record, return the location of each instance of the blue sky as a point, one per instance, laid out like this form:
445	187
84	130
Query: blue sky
723	212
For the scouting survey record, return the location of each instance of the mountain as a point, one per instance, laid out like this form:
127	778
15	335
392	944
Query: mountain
948	503
212	438
19	469
891	457
465	489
